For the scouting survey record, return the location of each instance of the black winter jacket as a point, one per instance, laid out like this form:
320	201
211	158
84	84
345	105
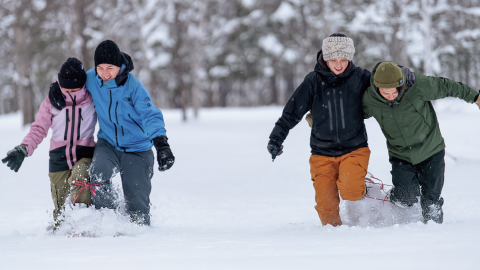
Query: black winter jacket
336	106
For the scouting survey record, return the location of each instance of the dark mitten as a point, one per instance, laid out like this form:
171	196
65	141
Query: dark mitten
274	148
165	156
15	157
410	76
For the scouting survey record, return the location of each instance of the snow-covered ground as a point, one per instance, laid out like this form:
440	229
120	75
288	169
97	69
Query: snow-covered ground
225	205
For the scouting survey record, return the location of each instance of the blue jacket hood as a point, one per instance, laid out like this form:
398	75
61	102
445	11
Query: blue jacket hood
127	117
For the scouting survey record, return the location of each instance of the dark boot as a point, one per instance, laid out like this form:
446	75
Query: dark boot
401	201
140	218
432	210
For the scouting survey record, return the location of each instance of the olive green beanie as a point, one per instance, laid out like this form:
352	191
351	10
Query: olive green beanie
388	75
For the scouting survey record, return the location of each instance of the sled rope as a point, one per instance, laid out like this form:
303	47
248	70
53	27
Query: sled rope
370	180
85	185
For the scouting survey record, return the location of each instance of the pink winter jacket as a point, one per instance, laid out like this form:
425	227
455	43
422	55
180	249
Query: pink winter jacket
72	128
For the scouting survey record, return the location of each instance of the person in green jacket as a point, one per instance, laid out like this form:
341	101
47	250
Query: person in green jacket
415	145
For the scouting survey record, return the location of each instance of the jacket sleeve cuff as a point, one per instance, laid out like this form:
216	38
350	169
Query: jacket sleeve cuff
29	149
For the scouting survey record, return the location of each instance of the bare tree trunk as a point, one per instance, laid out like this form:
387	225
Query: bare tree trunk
273	89
224	86
155	90
81	25
14	103
197	63
22	66
426	25
177	60
466	66
289	76
398	46
327	10
209	94
306	41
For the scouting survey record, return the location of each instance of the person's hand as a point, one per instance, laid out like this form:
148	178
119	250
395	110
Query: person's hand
477	101
165	156
410	77
15	157
274	148
309	119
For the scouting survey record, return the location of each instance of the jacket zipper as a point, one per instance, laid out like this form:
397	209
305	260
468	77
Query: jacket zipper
73	129
116	115
110	116
336	113
136	123
330	111
66	125
341	110
80	119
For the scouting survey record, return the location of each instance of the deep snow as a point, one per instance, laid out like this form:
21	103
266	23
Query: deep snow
225	205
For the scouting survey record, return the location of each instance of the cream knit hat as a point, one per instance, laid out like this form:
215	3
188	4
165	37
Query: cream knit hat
335	47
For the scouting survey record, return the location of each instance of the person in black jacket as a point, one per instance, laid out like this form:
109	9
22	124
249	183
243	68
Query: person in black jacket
340	154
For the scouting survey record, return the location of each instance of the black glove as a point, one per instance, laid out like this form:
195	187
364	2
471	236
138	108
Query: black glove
165	156
410	77
274	148
15	157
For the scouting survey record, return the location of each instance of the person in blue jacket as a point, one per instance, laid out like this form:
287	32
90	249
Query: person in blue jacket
130	125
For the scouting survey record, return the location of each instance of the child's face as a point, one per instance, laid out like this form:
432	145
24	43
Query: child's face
337	65
388	93
71	90
107	72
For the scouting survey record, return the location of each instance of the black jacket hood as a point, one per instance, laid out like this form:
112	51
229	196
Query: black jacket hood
56	97
322	68
123	75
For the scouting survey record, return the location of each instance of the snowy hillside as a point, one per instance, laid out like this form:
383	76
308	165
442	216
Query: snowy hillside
225	205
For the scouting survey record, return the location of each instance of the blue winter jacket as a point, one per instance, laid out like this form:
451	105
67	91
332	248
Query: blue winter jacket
127	117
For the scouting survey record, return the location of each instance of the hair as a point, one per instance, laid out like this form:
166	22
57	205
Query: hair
338	35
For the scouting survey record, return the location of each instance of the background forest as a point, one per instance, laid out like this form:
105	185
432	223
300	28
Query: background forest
213	53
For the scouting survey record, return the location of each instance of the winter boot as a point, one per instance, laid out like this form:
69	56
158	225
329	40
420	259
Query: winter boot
432	210
140	218
397	201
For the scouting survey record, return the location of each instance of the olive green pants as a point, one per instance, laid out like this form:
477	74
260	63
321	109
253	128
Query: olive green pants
61	185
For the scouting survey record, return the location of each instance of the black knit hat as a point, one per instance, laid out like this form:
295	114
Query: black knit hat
107	52
72	75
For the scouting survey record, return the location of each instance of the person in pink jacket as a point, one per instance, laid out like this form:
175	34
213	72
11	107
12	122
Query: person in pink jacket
69	111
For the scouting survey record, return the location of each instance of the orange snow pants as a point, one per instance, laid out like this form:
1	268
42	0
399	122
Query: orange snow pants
331	175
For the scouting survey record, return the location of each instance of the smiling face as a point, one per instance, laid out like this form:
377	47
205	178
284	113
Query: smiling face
337	65
388	93
107	71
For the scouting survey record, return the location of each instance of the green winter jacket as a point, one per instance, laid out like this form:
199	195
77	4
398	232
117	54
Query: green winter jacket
409	122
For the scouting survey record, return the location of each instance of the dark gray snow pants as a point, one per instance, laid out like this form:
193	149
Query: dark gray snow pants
424	180
136	171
